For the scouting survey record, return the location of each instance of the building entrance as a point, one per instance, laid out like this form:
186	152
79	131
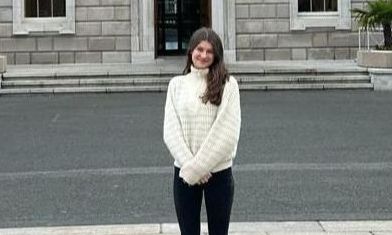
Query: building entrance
175	21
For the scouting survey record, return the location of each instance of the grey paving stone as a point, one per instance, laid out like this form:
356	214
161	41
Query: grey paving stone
354	226
173	228
319	233
82	230
276	227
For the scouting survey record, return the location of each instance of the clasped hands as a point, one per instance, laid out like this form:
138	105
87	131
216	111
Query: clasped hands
187	175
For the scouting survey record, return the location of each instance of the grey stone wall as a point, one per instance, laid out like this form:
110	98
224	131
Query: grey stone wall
263	33
6	28
103	35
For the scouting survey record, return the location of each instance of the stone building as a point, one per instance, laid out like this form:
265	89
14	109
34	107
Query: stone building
138	31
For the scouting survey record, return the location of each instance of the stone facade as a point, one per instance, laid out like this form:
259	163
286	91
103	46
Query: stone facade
102	35
264	33
121	31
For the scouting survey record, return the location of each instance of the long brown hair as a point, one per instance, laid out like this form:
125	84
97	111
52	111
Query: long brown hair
217	74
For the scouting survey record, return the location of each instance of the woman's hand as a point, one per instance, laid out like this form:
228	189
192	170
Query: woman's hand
205	179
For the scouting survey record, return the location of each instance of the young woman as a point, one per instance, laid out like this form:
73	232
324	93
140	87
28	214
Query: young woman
201	130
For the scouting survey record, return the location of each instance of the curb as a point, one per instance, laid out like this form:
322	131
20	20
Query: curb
244	228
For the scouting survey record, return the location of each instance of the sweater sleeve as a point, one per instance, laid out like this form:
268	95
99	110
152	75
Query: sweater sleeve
172	131
221	141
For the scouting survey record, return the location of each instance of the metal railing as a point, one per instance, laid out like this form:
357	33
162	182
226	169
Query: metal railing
371	37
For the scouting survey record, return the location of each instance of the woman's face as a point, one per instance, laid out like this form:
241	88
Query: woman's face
203	55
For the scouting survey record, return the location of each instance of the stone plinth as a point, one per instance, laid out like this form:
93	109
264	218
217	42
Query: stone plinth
381	79
375	59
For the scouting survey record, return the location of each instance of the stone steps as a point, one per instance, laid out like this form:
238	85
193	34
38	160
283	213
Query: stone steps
105	79
159	88
115	81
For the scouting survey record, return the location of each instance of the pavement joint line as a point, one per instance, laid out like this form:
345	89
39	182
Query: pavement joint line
322	227
74	173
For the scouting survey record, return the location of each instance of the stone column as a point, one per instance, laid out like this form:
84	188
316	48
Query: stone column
223	23
3	64
142	31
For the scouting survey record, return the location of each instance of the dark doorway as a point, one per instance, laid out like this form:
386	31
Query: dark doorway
175	22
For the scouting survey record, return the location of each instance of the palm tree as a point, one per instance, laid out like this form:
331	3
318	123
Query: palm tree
379	12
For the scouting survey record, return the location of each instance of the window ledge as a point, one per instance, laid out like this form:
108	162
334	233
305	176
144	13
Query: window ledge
340	20
57	25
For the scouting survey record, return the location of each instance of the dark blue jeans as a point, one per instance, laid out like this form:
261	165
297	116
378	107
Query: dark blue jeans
218	196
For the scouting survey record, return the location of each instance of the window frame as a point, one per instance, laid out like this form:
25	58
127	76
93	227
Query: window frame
43	25
340	20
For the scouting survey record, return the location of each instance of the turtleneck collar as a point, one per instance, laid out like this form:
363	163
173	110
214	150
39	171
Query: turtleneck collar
200	72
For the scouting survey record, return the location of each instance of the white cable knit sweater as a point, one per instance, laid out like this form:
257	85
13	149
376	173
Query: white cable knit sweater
202	138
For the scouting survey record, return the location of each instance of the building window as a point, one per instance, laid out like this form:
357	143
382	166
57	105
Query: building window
45	8
320	13
43	16
317	5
